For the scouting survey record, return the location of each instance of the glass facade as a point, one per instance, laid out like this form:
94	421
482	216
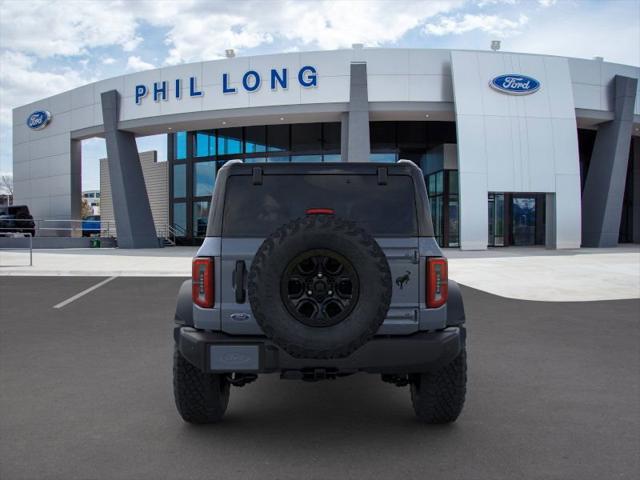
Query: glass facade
196	156
442	187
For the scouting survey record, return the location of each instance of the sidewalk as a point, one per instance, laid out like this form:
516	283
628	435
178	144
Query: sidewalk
521	273
102	262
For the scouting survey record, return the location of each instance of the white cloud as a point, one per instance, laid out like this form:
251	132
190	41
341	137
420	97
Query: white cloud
547	3
203	30
46	29
491	24
22	83
108	61
584	34
135	64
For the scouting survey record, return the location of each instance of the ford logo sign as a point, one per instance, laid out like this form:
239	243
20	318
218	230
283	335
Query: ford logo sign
515	84
38	120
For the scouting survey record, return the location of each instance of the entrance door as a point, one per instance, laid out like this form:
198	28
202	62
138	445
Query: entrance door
496	219
523	214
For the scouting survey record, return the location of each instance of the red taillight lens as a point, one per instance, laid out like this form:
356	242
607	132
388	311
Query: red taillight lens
320	211
202	288
437	282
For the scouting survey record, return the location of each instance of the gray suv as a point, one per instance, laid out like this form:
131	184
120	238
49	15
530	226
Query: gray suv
319	271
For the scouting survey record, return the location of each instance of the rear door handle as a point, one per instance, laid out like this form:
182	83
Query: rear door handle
239	275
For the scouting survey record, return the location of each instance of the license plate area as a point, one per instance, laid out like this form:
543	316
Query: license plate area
234	358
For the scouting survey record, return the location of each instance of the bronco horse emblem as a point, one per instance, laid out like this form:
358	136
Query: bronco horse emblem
402	280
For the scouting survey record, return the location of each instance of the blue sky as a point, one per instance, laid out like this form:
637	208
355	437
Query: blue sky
47	47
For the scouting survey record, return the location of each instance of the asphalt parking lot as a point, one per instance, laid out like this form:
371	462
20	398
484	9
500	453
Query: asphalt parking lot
85	393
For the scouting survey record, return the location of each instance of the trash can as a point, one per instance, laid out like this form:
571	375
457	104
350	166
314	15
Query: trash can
94	243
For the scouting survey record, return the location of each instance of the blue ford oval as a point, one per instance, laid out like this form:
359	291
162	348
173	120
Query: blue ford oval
515	84
38	119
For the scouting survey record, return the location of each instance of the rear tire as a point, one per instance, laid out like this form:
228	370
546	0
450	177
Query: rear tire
438	397
200	397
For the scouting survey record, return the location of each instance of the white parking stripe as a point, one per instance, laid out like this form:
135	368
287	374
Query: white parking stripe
83	293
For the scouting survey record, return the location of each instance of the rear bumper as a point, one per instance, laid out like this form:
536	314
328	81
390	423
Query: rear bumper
420	352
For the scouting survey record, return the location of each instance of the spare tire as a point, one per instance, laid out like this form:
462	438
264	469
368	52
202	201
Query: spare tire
320	287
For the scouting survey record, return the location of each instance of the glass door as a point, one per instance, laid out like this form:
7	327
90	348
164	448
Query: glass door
523	214
496	219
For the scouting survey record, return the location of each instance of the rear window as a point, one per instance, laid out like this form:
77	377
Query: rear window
257	210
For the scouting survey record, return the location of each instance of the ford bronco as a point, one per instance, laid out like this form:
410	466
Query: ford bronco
319	271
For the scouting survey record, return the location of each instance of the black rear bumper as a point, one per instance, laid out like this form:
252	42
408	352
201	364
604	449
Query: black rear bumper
420	352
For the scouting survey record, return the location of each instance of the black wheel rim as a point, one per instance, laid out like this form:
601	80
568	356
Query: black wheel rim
320	288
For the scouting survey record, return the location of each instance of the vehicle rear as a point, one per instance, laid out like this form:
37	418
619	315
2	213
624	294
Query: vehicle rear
388	201
318	271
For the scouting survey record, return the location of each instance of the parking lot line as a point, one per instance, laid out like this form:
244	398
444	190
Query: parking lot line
83	293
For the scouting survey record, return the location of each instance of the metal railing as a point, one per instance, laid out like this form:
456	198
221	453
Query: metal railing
172	232
15	235
78	228
57	228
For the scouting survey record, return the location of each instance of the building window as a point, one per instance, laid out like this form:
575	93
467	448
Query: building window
278	138
205	144
180	150
332	157
383	157
179	180
278	159
204	177
306	158
180	216
306	137
331	137
383	135
442	187
255	139
200	218
230	141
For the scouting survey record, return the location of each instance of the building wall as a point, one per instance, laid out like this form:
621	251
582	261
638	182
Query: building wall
403	84
156	179
508	143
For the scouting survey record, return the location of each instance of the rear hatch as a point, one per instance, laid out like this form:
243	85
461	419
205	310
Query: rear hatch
385	207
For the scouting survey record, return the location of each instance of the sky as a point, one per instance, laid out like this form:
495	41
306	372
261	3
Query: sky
47	47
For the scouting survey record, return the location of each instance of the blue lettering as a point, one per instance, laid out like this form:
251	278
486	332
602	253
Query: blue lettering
192	88
225	84
275	77
157	90
310	80
141	92
178	88
256	81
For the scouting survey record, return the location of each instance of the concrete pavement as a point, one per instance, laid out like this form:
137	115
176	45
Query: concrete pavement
523	273
86	394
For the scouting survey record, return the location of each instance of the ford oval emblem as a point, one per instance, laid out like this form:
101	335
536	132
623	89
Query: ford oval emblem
515	84
38	120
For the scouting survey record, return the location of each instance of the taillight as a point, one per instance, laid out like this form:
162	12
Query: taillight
437	282
320	211
202	289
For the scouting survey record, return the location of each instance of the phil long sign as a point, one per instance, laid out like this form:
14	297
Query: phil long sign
515	84
251	81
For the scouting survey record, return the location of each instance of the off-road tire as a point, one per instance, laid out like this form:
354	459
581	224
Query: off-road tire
438	397
200	397
344	238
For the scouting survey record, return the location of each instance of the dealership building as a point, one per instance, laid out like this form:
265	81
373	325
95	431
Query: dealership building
516	149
